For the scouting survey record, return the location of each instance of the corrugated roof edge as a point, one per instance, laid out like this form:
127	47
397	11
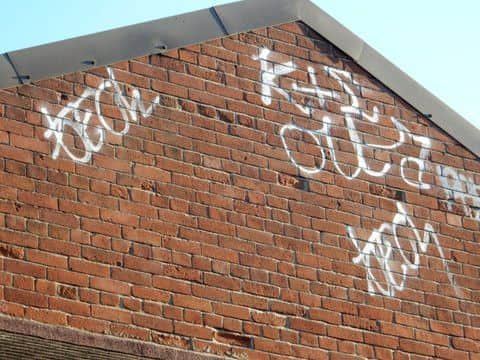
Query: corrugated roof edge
157	36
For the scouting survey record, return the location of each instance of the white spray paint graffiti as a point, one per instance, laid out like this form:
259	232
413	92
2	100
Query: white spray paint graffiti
460	188
271	72
269	75
384	246
79	120
388	264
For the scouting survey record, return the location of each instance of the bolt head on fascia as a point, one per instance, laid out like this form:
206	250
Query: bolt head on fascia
89	62
160	47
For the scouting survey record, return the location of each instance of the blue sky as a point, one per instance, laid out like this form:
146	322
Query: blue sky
435	42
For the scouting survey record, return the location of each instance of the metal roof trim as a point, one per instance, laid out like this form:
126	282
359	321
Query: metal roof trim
253	14
115	45
173	32
391	76
8	77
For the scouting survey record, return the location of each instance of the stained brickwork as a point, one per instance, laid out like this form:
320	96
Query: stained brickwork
258	196
17	346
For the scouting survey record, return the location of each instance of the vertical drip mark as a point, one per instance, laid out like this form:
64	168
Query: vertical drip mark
17	76
218	20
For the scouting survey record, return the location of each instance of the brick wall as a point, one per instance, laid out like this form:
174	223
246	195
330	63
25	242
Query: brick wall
258	196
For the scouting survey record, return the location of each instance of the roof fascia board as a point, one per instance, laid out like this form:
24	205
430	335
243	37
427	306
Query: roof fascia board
156	36
8	77
254	14
115	45
330	28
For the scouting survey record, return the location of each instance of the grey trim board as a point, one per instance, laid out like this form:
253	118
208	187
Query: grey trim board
156	36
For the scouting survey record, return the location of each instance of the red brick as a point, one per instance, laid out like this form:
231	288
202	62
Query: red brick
153	173
197	223
130	276
23	282
153	322
118	217
192	303
192	330
88	324
98	227
46	316
28	298
381	340
67	277
446	328
169	284
23	267
417	347
88	267
78	208
111	314
102	256
46	258
110	285
12	251
271	346
69	306
23	156
143	265
15	99
168	88
37	199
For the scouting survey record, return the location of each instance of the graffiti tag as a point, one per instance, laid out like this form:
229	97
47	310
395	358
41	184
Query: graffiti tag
387	249
79	121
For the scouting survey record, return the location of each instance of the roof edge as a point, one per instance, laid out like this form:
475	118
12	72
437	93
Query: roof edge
152	37
173	32
391	76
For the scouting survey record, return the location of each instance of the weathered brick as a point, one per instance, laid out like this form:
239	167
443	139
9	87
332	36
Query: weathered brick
199	229
28	298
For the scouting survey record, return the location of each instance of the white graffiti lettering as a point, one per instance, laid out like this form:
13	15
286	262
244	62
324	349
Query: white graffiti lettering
270	72
268	78
460	188
394	263
392	251
71	116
